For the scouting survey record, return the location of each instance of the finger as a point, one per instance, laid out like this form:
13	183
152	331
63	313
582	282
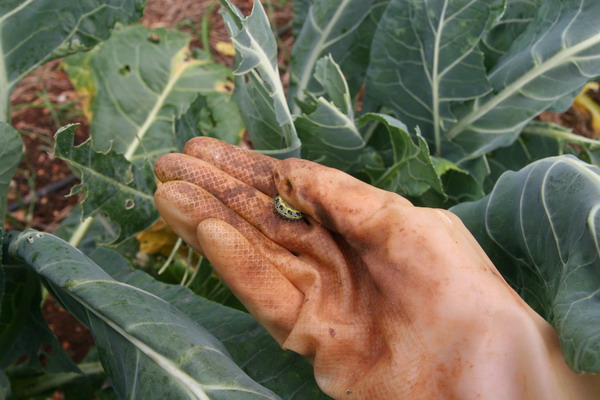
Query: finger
268	295
335	199
251	204
250	167
184	206
308	240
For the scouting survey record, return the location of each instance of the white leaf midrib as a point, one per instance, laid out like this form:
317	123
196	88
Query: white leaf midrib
195	389
555	61
317	49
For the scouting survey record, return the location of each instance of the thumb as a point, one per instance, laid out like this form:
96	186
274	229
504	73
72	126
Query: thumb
335	199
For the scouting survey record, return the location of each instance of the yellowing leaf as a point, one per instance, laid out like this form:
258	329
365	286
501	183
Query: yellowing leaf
225	48
159	238
586	104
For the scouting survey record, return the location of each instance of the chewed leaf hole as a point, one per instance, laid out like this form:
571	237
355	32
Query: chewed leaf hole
30	239
154	38
129	204
124	70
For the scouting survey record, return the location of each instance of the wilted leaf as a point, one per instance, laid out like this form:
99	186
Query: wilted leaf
78	68
113	186
225	48
541	227
584	102
158	239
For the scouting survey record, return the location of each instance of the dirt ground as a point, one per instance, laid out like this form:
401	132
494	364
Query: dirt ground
46	100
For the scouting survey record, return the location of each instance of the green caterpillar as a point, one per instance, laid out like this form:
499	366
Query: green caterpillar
287	211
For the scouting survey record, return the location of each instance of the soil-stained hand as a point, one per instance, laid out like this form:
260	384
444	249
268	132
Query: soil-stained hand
388	301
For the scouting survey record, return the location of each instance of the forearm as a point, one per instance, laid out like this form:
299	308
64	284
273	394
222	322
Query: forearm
519	357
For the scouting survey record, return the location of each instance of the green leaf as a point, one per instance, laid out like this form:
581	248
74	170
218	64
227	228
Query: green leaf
11	148
24	334
145	80
329	137
458	184
334	86
425	57
4	386
286	373
34	31
72	385
342	28
215	115
260	93
411	172
79	69
547	64
517	16
541	227
113	186
148	347
327	130
540	140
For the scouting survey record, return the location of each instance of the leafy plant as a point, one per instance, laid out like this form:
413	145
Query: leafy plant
466	79
432	100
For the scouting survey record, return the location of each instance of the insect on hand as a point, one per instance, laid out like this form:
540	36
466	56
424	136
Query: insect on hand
287	211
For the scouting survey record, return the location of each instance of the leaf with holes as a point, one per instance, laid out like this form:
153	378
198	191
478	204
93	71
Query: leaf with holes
144	80
113	186
34	31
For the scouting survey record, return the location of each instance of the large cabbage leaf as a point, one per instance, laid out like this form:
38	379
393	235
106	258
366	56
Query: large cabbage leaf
427	67
541	227
148	347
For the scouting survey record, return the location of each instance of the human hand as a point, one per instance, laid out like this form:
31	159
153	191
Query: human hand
388	300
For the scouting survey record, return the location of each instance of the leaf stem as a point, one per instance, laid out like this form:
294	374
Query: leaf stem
560	58
81	231
317	50
171	256
43	383
560	134
4	88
